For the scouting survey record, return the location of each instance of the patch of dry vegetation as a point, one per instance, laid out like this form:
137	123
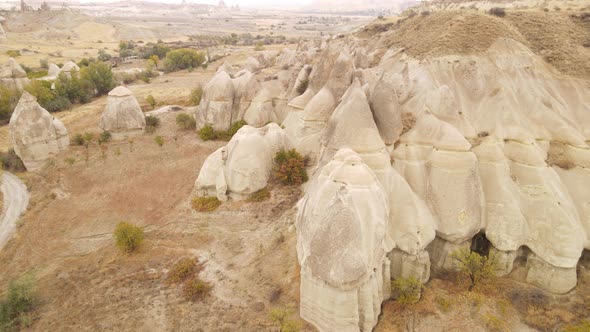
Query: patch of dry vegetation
206	204
561	38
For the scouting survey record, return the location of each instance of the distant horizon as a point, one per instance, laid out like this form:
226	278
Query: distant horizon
241	3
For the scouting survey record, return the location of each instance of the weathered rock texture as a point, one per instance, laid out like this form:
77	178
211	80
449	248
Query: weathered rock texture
36	135
13	76
414	158
122	114
244	165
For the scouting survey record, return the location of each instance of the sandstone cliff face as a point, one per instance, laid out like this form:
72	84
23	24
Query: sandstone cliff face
412	158
36	135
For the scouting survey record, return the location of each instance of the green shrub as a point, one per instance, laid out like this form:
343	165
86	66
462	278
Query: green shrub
206	204
159	140
151	101
128	237
8	101
233	129
408	290
290	167
196	95
11	162
259	196
185	121
37	74
75	89
100	75
105	136
282	318
78	139
475	266
183	58
183	270
103	56
207	133
196	289
13	53
20	301
259	46
47	98
151	123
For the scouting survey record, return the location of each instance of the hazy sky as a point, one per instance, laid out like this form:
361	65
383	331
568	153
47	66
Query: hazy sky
243	3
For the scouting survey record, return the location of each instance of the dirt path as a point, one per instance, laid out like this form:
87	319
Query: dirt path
16	199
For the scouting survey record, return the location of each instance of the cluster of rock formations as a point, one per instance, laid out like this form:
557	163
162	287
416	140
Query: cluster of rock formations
36	135
122	114
13	76
244	165
411	160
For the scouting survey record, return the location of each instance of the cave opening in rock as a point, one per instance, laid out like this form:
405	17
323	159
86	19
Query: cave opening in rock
480	244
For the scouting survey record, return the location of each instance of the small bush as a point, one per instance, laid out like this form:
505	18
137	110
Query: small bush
78	139
302	86
408	289
196	95
8	101
475	266
497	11
20	300
128	237
196	289
105	136
206	204
183	270
259	46
151	101
185	121
11	162
151	123
290	167
48	98
207	133
259	196
159	140
282	318
233	129
13	53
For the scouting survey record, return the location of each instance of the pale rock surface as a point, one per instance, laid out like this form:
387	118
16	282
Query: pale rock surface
252	65
341	246
53	70
217	103
244	165
69	67
13	76
35	134
122	115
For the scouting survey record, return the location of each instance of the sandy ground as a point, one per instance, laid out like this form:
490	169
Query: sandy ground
86	284
16	200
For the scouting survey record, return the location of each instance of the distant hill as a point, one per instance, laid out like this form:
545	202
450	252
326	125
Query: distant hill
359	6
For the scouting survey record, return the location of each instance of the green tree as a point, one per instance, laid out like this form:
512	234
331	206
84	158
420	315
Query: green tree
100	75
475	266
196	95
46	97
155	59
73	88
183	58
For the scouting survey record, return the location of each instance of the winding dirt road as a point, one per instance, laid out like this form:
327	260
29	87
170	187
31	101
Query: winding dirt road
16	199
